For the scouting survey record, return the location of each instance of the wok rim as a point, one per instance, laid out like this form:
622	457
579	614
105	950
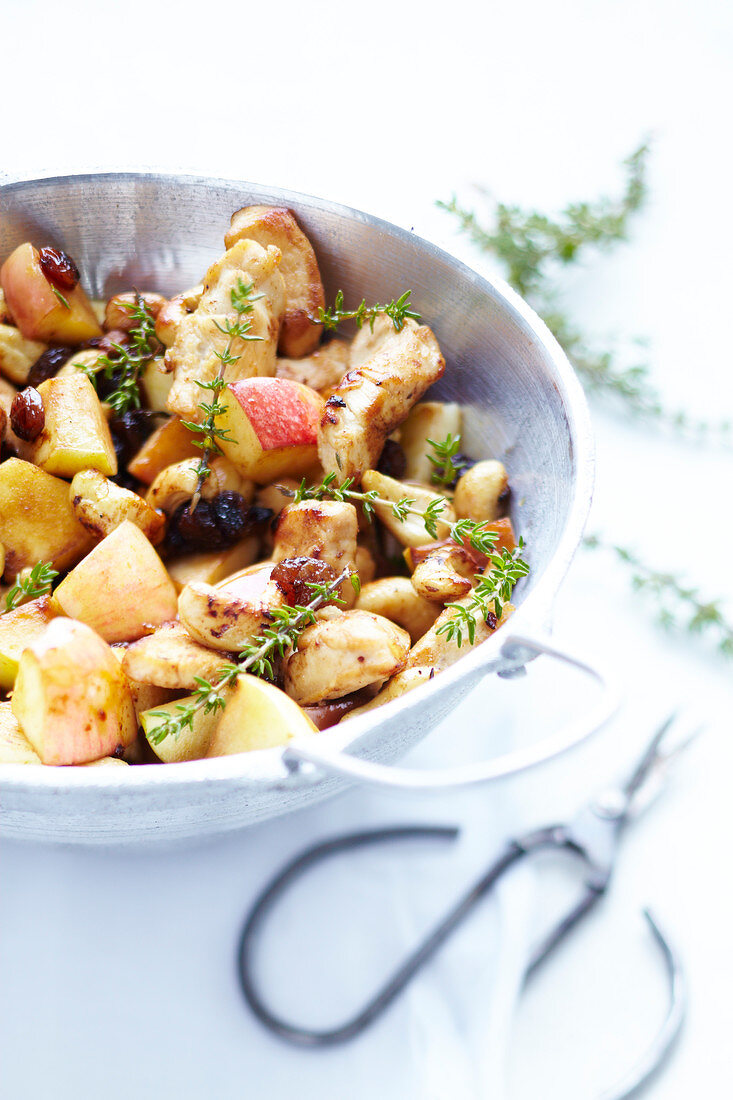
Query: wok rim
530	615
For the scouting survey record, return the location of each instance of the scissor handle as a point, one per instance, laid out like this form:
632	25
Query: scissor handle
517	649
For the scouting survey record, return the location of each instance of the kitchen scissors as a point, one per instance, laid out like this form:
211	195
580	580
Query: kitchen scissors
592	838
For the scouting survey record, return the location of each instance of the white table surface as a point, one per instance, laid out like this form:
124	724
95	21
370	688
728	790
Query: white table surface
116	968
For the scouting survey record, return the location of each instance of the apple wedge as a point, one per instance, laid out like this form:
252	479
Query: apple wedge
172	442
272	427
36	519
71	696
192	743
257	716
15	748
39	313
121	588
19	629
75	435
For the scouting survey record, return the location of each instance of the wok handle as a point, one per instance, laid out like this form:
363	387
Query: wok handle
517	649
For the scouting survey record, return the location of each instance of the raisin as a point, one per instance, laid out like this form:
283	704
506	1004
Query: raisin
58	268
199	528
392	461
27	415
292	576
47	364
232	514
130	431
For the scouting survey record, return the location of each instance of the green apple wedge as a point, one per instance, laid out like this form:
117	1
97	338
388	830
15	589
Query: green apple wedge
120	589
71	697
192	743
18	629
258	715
15	748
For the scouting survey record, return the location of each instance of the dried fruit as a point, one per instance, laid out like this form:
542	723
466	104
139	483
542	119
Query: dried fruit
293	575
27	415
48	364
59	268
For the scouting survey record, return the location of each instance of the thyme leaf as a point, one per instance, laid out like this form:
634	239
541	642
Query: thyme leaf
398	310
126	364
36	583
488	599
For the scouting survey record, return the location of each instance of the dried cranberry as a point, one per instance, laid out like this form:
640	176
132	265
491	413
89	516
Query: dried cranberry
392	461
293	575
48	364
232	514
27	415
58	268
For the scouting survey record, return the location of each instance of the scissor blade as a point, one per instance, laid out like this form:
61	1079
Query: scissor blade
648	760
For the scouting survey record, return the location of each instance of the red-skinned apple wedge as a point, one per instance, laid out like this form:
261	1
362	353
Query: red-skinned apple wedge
272	424
38	312
71	696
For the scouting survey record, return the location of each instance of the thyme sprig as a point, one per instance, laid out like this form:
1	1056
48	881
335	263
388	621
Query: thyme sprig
463	531
242	300
445	468
288	623
679	604
532	246
128	363
30	587
489	597
398	311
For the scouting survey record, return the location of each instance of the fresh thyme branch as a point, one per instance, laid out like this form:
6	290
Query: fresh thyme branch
463	531
679	605
489	597
127	363
242	300
447	462
288	623
398	311
37	583
532	246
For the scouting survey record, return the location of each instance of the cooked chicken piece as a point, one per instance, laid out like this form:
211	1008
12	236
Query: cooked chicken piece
117	315
445	573
172	313
144	696
373	399
438	652
193	354
429	420
400	684
100	506
343	654
322	529
17	355
322	371
270	225
170	658
481	492
227	616
411	530
177	483
396	599
370	339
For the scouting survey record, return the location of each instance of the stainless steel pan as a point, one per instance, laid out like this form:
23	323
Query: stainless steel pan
522	403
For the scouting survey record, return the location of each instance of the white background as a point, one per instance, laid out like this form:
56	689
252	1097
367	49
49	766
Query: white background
117	968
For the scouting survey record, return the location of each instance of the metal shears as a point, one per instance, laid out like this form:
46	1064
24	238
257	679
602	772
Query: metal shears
592	838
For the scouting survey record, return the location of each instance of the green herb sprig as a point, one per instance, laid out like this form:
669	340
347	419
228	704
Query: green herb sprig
288	623
242	300
532	246
398	311
446	470
489	597
679	604
37	583
126	364
463	531
59	296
